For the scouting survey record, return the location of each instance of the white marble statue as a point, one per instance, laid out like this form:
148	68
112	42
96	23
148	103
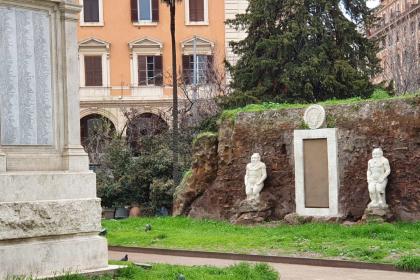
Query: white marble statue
255	175
377	173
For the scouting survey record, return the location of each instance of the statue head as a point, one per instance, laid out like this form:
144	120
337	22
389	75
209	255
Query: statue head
255	158
377	153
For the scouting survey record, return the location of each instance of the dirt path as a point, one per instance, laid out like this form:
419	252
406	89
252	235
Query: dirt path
287	271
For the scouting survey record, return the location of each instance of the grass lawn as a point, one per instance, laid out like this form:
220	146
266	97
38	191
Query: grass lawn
172	272
377	243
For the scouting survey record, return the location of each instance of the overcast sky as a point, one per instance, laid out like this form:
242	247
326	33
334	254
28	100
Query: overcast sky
372	3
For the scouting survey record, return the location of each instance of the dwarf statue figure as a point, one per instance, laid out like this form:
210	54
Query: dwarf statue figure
255	175
377	173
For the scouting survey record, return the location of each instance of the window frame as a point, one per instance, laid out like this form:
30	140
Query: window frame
144	47
153	21
202	73
95	47
187	14
150	12
101	15
105	69
146	70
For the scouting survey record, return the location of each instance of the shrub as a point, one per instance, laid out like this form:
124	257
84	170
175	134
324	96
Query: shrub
161	193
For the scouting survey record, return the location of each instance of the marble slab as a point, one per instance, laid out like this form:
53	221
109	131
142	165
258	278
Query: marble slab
26	93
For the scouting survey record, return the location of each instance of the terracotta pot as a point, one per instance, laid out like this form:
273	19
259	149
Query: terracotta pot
135	211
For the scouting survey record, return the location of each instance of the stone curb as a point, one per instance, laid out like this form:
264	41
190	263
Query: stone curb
256	258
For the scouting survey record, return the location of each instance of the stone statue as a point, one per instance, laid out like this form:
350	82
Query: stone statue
255	175
377	173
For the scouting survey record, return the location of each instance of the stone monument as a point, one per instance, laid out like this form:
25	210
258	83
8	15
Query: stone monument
316	176
253	209
49	212
314	116
377	177
255	175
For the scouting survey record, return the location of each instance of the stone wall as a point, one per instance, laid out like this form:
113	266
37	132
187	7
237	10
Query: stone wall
393	125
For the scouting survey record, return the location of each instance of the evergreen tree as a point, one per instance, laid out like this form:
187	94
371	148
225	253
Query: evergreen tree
303	51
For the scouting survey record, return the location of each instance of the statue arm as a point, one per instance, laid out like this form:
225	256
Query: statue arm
263	174
368	173
246	176
387	169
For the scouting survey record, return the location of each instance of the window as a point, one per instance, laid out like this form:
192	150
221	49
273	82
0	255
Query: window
94	63
144	11
203	69
93	70
92	13
149	70
196	11
91	10
146	64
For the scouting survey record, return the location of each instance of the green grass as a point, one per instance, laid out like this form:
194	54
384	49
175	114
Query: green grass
376	243
204	134
409	263
172	272
378	94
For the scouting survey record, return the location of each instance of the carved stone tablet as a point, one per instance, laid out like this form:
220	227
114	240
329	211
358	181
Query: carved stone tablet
314	116
25	77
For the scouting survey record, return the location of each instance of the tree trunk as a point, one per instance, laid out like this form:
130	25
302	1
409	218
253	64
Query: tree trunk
175	136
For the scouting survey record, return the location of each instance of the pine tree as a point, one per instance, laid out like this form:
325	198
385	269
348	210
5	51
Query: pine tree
303	51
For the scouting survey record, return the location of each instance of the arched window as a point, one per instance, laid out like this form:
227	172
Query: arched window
95	131
144	125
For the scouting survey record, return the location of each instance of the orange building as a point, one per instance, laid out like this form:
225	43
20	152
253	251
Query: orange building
125	54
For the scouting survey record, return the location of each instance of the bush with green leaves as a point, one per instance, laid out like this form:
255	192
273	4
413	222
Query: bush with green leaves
161	193
125	177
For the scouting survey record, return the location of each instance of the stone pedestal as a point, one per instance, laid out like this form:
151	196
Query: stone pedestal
377	215
49	213
252	211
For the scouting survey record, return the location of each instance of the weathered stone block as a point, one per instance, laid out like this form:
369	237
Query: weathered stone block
37	258
49	218
32	186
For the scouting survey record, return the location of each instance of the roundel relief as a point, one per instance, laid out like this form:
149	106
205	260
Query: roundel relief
314	116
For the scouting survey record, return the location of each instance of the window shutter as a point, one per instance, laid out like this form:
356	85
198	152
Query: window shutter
187	71
155	10
193	10
134	11
91	10
142	65
196	10
200	10
209	69
93	71
158	71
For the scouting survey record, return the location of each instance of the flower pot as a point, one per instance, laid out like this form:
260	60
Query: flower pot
108	213
121	213
135	211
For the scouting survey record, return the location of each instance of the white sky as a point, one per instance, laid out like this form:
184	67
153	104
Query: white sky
372	3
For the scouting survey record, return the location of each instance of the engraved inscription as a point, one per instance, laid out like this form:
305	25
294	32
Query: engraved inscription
25	77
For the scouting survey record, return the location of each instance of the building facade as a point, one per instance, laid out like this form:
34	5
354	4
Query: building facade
233	8
125	55
398	34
